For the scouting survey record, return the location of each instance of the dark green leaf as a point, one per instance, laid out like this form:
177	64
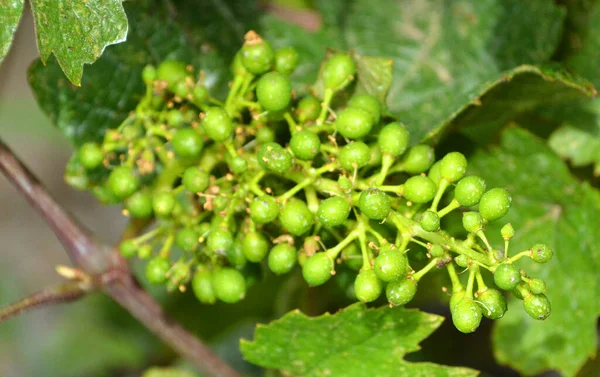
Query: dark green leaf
10	14
353	342
586	62
552	207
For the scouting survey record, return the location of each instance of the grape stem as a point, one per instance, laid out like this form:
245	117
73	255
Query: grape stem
438	195
432	263
327	97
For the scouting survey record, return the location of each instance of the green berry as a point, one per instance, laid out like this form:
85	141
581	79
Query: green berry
537	286
462	260
175	118
354	123
157	269
317	269
308	109
238	165
144	251
466	315
368	103
437	251
257	56
390	264
274	157
128	248
274	91
229	285
305	144
296	218
263	210
182	89
235	254
352	256
507	232
434	173
469	190
219	240
163	203
149	73
187	239
199	93
430	221
255	247
453	166
139	204
195	179
507	276
494	204
456	298
376	156
541	253
419	189
345	184
187	143
172	72
401	291
472	221
282	258
418	159
393	139
91	155
492	303
265	135
354	155
333	211
537	306
286	60
375	204
217	124
203	287
367	286
123	182
338	71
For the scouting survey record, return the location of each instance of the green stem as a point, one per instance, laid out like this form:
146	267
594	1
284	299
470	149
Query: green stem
386	163
334	251
438	196
471	281
480	283
311	199
456	284
519	256
362	238
328	96
454	204
291	123
233	93
432	263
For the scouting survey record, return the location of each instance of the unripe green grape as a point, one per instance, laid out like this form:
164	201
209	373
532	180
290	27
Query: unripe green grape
317	269
187	239
274	91
175	118
274	157
237	67
217	124
419	189
469	190
199	93
507	276
537	286
187	143
229	285
296	218
375	156
494	204
104	195
144	251
265	135
368	103
345	184
264	209
456	298
374	204
493	303
352	256
91	155
308	109
541	253
195	179
430	221
149	73
522	288
255	247
354	155
393	139
163	203
507	231
466	315
182	89
401	291
257	56
235	254
238	165
128	248
537	306
453	166
203	287
390	264
286	60
123	182
333	211
437	251
139	204
434	173
367	286
305	144
462	260
282	258
172	72
418	159
157	269
472	221
132	132
219	240
354	123
338	71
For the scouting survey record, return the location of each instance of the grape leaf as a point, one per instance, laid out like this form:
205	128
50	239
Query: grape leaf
10	14
552	207
353	342
77	32
168	372
586	61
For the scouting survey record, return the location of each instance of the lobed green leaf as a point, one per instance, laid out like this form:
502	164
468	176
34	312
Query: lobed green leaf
10	14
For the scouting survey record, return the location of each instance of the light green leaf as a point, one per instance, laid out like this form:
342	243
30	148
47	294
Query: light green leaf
168	372
10	14
552	207
77	32
353	342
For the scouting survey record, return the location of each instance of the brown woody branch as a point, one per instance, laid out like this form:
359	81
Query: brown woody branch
112	272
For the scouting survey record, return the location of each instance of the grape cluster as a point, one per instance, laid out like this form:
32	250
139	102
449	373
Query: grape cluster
268	179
